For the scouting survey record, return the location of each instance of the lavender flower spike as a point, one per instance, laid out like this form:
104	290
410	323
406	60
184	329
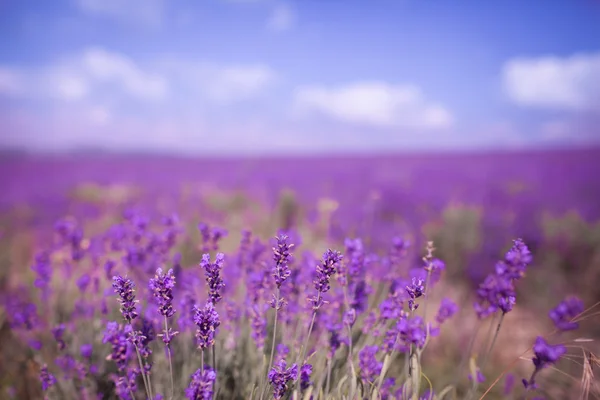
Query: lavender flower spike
212	272
48	380
201	386
280	376
281	255
207	320
124	287
162	288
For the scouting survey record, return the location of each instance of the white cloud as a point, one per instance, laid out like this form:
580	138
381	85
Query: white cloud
78	77
373	103
282	18
96	74
571	83
222	84
105	66
145	12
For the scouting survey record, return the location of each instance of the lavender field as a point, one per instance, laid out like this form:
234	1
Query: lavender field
431	276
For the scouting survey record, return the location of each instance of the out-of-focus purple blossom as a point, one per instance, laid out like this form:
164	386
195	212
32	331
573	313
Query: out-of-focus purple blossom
126	385
58	333
207	321
67	365
349	317
412	330
124	287
83	282
22	313
305	373
509	384
281	351
564	313
281	255
201	385
35	344
210	237
545	354
117	337
86	350
447	309
479	375
48	380
386	388
109	265
161	287
370	368
280	376
258	325
212	273
43	268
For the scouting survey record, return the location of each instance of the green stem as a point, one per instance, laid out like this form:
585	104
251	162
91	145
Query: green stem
170	359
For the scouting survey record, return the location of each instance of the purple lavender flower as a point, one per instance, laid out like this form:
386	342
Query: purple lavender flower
86	350
58	333
323	275
83	282
412	330
509	384
162	289
117	337
515	261
212	273
415	290
201	386
43	269
447	309
48	380
124	287
495	293
207	321
305	373
370	368
125	385
479	375
258	324
138	340
565	312
544	355
281	255
280	376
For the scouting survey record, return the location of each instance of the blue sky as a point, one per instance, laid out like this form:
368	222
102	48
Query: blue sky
264	76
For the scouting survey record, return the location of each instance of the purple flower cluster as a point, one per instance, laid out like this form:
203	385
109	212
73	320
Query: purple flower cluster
282	255
201	385
48	380
124	287
564	313
544	355
161	287
370	368
280	377
207	321
415	290
212	272
497	291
